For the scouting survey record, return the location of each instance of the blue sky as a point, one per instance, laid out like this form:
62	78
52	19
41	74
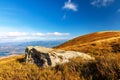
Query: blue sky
56	19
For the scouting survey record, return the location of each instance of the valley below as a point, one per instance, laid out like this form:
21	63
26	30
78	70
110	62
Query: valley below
10	48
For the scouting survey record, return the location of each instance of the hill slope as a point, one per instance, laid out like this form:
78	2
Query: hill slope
96	43
102	68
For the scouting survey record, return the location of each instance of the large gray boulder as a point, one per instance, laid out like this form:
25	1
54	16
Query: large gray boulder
45	57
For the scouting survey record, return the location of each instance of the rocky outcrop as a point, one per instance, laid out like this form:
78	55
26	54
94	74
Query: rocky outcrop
46	57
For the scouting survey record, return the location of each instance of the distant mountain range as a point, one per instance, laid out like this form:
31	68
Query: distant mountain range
19	47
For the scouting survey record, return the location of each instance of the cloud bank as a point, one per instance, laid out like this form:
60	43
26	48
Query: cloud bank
70	6
51	34
101	3
22	36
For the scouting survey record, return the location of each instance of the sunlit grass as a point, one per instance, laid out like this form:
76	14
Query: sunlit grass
103	68
105	47
95	43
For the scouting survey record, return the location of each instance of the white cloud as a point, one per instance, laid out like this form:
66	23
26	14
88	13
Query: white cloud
101	3
16	34
38	34
51	34
70	6
23	36
60	34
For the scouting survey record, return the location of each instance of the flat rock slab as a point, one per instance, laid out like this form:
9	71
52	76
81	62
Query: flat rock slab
45	57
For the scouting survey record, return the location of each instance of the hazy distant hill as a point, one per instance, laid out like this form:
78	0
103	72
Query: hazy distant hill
19	47
95	43
43	43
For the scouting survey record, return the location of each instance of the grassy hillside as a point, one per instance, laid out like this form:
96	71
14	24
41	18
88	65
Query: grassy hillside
98	43
106	66
103	68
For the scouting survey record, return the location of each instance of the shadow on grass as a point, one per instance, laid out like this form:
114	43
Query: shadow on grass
21	60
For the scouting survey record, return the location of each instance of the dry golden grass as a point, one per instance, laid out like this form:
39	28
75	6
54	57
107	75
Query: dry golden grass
17	69
103	68
105	46
99	43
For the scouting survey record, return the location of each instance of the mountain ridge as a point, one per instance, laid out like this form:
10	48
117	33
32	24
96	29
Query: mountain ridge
94	43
